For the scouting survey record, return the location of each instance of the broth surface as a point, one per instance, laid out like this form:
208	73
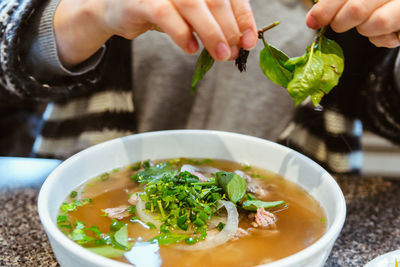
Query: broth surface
299	224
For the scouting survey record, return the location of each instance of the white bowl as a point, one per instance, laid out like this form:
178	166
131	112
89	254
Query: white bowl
192	144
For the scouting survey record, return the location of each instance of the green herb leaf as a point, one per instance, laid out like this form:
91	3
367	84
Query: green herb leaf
220	226
94	229
169	238
66	207
253	205
307	76
204	64
79	235
73	194
333	59
104	177
233	185
250	197
132	209
107	251
151	225
154	173
272	62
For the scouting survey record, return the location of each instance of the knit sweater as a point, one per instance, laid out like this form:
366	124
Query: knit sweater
118	94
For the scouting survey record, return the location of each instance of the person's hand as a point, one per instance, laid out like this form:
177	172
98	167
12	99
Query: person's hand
379	20
223	26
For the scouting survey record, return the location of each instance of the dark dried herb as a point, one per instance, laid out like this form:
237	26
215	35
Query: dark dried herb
241	60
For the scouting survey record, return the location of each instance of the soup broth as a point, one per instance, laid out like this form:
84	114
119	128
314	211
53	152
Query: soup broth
296	225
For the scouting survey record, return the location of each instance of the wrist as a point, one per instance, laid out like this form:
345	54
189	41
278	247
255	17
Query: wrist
79	30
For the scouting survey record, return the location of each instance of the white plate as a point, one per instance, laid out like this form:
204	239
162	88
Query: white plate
386	260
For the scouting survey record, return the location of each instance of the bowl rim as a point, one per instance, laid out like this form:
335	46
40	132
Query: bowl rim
53	231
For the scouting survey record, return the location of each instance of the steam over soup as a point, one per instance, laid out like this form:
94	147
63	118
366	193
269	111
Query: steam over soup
190	212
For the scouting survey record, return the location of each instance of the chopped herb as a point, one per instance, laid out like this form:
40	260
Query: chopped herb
79	235
220	226
169	238
246	168
62	218
146	164
105	176
73	194
132	209
63	222
180	200
95	230
115	170
66	207
136	166
323	220
151	225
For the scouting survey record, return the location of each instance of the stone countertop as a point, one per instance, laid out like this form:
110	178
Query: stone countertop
372	224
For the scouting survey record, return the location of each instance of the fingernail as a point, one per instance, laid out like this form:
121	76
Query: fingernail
249	39
222	51
234	52
192	46
312	22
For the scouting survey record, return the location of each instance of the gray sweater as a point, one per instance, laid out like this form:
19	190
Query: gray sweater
125	89
225	100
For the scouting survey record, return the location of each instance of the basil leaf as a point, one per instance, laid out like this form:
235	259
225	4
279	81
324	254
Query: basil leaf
121	236
253	205
107	251
169	238
272	62
233	185
333	59
204	64
291	63
307	77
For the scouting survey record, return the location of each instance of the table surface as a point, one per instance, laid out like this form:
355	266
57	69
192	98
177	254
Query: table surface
372	224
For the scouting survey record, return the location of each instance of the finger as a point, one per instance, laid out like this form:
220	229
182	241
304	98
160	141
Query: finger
247	25
354	13
383	21
197	14
222	12
234	52
322	13
389	40
166	17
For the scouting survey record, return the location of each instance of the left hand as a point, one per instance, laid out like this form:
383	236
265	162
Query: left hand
379	20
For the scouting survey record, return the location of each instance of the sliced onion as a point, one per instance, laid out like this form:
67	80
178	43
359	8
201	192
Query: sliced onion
227	233
144	216
216	220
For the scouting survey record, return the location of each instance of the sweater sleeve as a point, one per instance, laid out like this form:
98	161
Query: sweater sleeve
16	80
42	60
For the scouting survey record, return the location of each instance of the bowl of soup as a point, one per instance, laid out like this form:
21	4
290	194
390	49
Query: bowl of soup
191	198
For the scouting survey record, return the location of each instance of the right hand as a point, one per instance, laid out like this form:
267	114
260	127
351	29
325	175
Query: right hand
223	26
